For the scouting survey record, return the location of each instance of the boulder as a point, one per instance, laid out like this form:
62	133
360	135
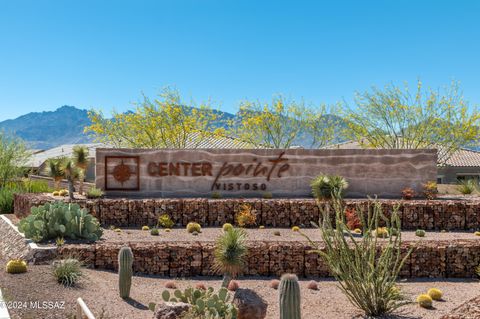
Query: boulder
170	310
250	305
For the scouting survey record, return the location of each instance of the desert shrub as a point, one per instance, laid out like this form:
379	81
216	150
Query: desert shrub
6	200
21	186
467	187
67	271
408	193
328	186
35	186
206	303
60	219
94	192
267	195
430	190
365	274
353	221
420	233
246	216
165	221
216	195
230	253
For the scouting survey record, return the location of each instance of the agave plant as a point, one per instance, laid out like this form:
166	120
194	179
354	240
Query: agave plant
230	253
80	159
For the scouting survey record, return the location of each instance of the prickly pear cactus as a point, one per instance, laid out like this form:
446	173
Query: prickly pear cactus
60	219
205	303
125	271
16	266
289	291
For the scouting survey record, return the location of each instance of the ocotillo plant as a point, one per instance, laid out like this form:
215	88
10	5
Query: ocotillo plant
289	291
125	261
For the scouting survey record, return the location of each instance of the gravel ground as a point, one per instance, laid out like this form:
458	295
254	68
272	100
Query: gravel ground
210	234
99	290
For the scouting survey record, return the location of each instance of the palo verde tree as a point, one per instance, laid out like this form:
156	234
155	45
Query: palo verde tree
165	122
13	158
283	122
395	118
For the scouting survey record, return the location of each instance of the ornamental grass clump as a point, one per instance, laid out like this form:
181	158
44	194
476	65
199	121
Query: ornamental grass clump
230	254
67	271
365	274
467	187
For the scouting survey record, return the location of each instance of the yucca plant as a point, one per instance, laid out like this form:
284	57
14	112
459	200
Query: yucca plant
328	186
71	173
81	160
67	271
55	170
230	253
367	268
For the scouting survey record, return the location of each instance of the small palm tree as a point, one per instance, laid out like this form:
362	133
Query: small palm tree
55	170
230	252
71	173
80	159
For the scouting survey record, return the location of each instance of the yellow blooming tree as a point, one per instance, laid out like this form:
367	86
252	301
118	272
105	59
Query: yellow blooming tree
165	122
395	118
283	123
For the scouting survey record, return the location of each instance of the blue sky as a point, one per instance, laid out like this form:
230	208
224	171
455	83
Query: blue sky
103	54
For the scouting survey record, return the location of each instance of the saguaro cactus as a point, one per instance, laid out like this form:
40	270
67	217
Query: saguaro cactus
289	291
125	271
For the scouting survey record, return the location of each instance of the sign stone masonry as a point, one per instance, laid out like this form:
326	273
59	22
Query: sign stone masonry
252	173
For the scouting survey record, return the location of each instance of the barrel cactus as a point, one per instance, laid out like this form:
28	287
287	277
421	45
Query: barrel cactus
289	291
424	301
16	266
435	294
60	219
420	233
125	271
194	227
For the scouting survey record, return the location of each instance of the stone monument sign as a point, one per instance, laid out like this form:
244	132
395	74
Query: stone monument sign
252	173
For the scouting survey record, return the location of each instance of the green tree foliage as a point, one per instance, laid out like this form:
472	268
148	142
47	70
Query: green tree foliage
396	118
282	122
166	122
13	158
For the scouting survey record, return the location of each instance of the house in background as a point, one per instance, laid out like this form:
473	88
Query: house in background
38	162
463	164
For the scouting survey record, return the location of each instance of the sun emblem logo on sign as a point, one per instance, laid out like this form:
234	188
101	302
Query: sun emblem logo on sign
122	172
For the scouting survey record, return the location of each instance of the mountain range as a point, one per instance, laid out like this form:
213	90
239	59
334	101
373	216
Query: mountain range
44	130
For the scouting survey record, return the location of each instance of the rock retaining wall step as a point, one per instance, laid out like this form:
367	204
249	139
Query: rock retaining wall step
425	214
435	259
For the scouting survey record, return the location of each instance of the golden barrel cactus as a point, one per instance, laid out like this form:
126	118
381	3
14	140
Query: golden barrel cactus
16	266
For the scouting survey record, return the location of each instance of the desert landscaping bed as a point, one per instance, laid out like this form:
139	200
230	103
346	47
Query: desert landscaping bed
100	292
